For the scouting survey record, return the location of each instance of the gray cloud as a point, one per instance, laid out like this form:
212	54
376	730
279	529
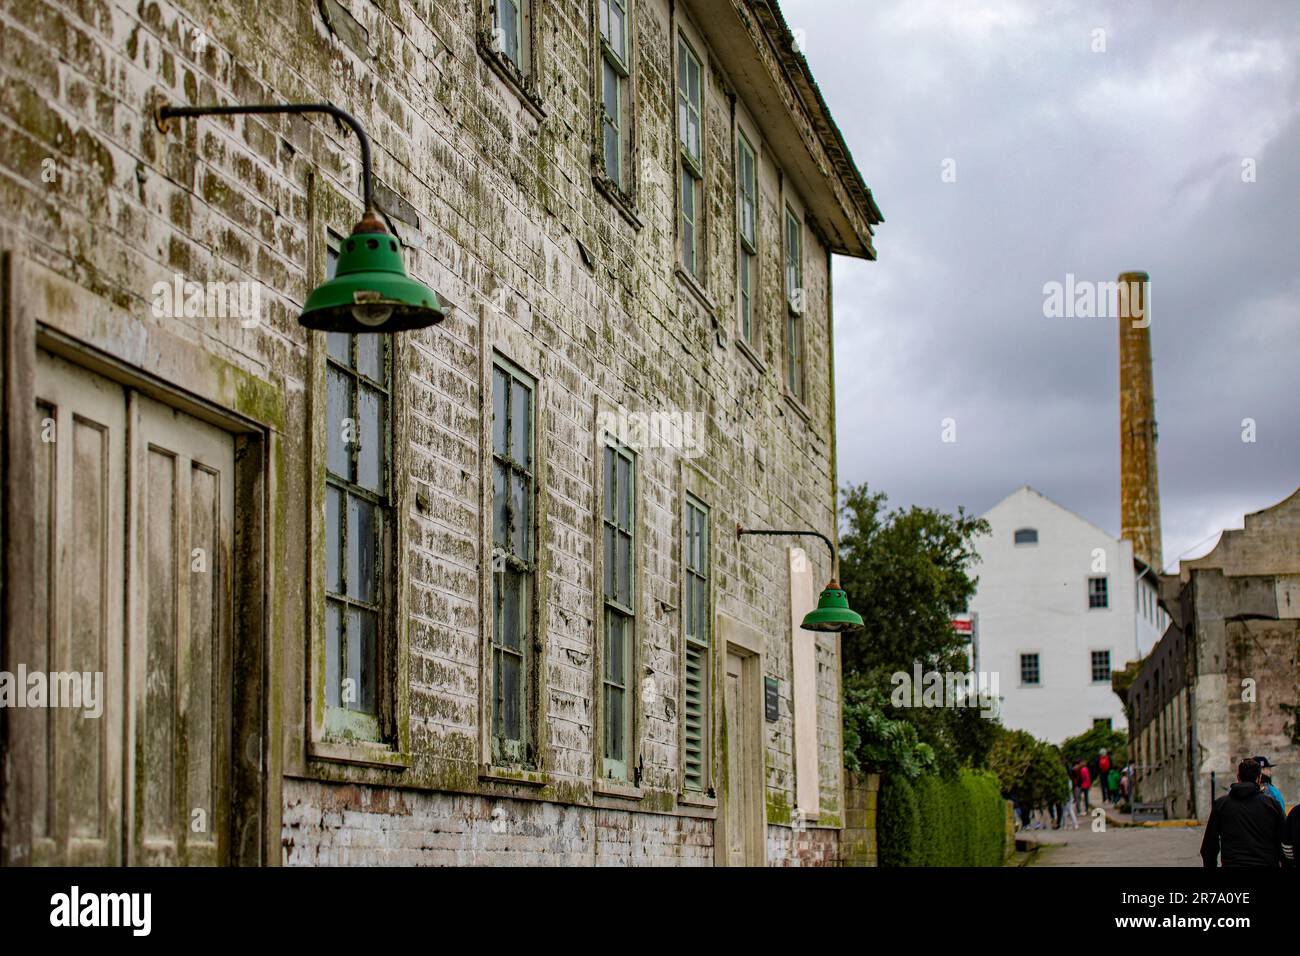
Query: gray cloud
1068	161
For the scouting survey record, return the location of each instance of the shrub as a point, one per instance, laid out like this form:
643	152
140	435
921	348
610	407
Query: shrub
956	821
898	825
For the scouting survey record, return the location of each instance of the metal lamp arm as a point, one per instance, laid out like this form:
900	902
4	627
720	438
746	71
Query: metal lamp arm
367	187
773	532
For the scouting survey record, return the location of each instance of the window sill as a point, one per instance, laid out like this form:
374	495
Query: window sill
619	199
692	798
1029	686
520	82
529	778
799	407
750	353
360	752
612	788
697	290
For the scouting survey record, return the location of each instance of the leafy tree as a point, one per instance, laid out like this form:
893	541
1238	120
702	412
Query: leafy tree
907	572
1089	744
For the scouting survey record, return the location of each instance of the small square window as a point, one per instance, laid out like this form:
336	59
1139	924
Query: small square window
1029	672
1026	536
1100	667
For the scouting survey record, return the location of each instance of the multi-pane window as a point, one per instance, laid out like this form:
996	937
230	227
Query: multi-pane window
795	298
1100	666
358	514
1026	536
1029	673
513	560
508	28
1098	594
618	523
747	255
695	600
615	70
689	136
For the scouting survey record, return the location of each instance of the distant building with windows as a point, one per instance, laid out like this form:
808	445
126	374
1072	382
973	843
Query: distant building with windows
1060	605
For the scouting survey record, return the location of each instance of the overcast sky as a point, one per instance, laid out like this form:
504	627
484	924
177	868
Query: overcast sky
1068	161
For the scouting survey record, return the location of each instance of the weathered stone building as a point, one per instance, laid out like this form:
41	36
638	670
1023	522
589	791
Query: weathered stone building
1223	684
462	595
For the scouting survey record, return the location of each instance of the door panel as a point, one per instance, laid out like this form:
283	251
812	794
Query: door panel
80	440
744	806
180	650
736	822
149	508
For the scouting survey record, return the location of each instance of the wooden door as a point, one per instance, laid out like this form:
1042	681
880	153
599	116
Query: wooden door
179	614
133	545
80	442
744	771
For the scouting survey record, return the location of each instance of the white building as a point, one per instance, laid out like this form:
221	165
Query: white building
1060	604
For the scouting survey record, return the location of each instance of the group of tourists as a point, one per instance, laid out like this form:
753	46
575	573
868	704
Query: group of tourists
1114	781
1249	825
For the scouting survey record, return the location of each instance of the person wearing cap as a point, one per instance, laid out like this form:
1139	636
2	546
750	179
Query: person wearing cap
1266	781
1245	825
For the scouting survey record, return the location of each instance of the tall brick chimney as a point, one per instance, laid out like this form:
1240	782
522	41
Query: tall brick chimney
1139	484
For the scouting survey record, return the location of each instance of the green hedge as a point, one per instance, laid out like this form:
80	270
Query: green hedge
938	821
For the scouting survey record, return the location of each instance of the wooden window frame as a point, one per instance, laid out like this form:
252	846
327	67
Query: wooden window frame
691	500
521	73
525	749
690	167
747	257
794	364
619	188
385	742
503	341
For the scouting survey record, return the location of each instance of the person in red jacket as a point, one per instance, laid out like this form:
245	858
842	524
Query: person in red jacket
1103	765
1085	783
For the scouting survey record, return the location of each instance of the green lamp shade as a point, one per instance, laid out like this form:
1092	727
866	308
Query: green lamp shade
833	613
370	291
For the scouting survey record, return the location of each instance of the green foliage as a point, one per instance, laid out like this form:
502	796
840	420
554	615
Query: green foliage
955	821
907	573
1028	769
898	824
876	742
1088	745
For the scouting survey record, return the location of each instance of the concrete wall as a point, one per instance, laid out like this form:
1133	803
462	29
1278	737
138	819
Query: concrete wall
495	202
1034	599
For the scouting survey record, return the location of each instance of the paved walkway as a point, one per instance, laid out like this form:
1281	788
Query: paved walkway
1118	846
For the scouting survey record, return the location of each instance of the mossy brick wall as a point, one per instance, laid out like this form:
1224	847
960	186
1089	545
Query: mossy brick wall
858	841
500	208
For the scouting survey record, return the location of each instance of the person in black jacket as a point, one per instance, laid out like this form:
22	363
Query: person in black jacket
1245	825
1291	839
